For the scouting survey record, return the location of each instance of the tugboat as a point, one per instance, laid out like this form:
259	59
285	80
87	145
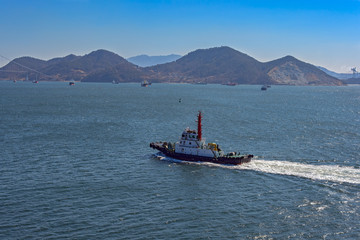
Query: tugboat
192	147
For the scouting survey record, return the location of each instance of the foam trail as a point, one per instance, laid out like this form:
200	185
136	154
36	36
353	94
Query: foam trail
316	172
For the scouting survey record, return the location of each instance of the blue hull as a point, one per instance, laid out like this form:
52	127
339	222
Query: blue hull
233	160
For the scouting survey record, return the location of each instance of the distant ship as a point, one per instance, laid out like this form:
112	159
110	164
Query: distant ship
35	81
263	88
192	147
230	84
145	83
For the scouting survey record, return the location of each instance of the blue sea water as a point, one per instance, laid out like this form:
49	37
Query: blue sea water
75	162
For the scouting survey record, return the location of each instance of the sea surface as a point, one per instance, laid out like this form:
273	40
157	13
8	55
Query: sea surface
75	162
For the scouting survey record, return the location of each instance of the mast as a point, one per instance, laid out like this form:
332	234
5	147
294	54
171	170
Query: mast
199	125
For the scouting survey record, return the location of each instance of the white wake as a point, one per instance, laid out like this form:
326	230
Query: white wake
317	172
334	173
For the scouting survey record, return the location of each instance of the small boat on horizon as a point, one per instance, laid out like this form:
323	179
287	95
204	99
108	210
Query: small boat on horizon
145	83
36	81
230	84
263	88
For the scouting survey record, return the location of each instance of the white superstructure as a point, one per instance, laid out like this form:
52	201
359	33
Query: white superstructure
190	144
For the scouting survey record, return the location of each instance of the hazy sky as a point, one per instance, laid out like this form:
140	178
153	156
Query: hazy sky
325	33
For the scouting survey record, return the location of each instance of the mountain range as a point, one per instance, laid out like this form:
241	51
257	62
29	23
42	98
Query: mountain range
341	76
347	78
215	65
147	61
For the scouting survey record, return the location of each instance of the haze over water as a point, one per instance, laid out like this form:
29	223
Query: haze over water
76	163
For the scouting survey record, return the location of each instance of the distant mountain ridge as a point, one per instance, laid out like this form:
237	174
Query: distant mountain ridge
147	61
214	65
70	67
341	76
225	65
291	71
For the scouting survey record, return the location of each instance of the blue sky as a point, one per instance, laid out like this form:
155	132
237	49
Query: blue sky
320	32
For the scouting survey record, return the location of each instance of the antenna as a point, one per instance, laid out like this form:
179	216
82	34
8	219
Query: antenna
354	71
